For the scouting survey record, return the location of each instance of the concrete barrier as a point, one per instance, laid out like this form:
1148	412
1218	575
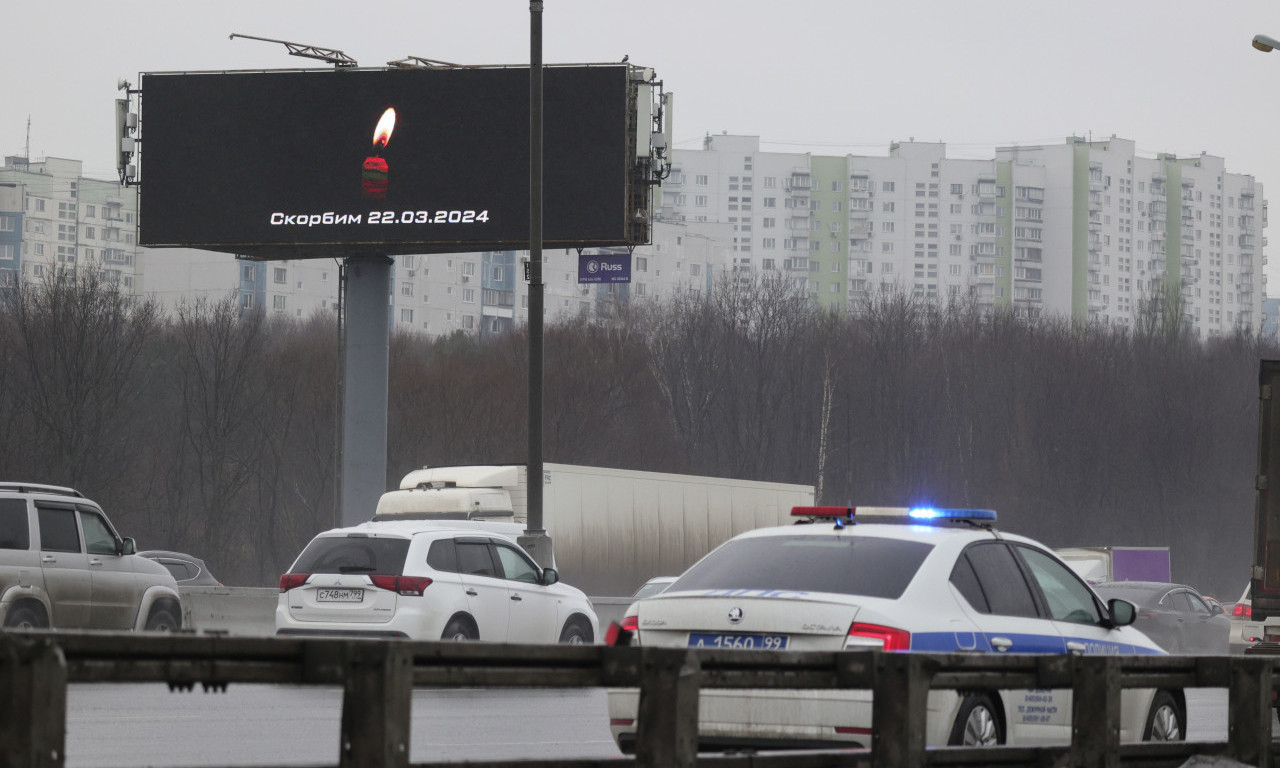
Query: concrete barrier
248	611
251	611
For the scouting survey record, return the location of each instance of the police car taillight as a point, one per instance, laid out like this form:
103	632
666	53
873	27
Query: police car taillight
622	633
876	637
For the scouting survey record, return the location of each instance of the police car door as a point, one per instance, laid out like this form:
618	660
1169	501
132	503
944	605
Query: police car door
1002	603
1074	610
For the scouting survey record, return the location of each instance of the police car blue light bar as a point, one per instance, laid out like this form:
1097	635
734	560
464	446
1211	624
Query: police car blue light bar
921	514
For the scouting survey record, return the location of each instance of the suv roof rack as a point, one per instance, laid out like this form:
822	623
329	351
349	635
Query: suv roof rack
59	490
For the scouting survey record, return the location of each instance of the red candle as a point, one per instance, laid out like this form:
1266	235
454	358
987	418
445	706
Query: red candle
375	173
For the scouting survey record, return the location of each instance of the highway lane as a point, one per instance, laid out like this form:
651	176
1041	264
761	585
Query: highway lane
122	725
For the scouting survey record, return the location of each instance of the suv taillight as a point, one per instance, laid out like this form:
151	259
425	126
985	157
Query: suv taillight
1242	611
409	586
889	638
290	580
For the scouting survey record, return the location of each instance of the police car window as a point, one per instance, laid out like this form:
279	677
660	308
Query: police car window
1068	597
966	581
855	565
1002	581
14	532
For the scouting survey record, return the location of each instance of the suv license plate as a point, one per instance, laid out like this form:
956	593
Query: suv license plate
339	595
746	642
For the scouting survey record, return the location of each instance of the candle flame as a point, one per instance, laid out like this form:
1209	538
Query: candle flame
382	134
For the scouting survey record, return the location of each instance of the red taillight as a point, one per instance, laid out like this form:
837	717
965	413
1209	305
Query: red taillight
622	633
409	586
892	639
1242	611
290	580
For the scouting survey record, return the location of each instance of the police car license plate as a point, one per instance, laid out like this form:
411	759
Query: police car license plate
742	642
339	595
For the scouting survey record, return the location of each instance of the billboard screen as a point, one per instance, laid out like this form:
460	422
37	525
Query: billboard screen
322	163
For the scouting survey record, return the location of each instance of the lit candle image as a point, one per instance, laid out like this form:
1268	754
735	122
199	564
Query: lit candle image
375	173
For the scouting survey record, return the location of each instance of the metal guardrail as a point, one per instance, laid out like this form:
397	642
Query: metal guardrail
377	678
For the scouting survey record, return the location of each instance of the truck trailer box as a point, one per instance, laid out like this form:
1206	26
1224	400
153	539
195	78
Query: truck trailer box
612	529
1097	564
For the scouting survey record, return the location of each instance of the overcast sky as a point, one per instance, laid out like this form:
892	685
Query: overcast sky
828	76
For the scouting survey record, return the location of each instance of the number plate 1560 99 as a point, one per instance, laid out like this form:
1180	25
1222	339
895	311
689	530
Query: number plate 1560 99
742	642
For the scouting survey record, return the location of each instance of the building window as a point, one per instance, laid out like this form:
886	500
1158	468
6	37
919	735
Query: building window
277	303
246	301
469	295
8	223
281	274
700	180
406	316
642	264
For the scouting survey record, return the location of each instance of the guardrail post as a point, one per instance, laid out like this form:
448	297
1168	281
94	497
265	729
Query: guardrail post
33	703
1249	712
376	697
1095	712
667	732
899	707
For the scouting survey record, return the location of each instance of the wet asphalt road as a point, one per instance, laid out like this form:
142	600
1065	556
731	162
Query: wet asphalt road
121	726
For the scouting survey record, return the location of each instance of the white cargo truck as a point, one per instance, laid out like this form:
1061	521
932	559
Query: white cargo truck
613	529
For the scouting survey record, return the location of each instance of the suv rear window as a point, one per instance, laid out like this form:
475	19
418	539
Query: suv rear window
14	531
856	565
353	554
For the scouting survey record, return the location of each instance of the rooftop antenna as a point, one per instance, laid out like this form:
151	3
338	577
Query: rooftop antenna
26	151
331	55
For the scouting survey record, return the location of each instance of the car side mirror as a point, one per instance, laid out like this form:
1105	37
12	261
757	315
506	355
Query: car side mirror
550	576
1121	612
1216	609
126	546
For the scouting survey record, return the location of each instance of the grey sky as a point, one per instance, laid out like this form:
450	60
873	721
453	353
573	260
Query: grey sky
826	76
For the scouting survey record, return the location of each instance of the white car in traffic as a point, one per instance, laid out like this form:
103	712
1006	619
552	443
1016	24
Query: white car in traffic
898	580
425	580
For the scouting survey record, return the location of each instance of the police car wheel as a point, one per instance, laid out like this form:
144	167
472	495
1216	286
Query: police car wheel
1166	721
977	723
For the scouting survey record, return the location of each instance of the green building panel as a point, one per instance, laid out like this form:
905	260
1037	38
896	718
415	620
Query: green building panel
832	266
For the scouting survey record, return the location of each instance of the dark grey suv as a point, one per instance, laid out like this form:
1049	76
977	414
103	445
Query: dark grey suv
62	565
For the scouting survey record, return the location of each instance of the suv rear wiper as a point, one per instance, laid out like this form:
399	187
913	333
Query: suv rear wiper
356	569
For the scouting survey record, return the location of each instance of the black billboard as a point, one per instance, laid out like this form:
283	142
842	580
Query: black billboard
322	163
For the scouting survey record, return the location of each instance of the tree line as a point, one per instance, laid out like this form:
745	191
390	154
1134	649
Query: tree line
213	432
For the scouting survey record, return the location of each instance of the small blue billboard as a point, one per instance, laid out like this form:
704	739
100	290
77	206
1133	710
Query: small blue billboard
604	268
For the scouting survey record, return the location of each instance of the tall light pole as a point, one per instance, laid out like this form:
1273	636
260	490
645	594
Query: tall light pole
535	539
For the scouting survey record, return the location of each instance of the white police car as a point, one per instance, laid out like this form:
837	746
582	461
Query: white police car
902	580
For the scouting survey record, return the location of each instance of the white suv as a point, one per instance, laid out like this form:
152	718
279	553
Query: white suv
425	580
63	566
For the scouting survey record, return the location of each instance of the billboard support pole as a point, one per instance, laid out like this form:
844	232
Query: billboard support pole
366	356
535	539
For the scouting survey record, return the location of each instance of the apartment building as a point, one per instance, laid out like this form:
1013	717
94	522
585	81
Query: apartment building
1085	229
53	220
